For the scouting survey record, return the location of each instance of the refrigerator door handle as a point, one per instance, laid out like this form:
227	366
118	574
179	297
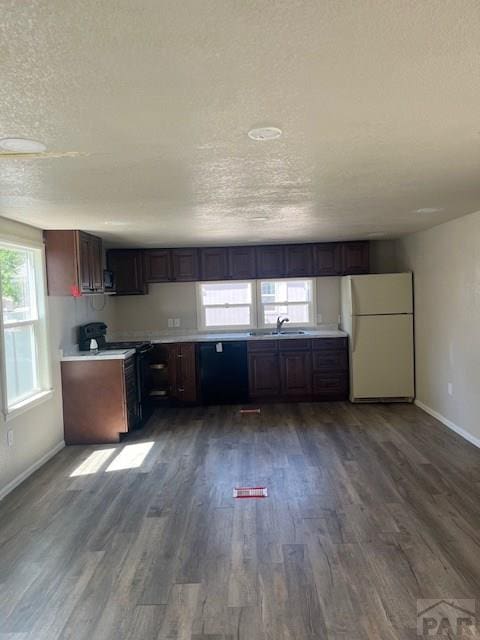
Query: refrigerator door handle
354	334
352	297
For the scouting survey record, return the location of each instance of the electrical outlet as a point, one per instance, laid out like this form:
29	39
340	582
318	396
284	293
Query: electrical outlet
176	322
10	437
170	323
450	389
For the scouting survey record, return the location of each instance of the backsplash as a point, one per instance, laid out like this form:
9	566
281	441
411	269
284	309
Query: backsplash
147	316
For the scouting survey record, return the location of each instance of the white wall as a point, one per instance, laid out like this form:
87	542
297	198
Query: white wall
149	314
40	430
446	265
383	257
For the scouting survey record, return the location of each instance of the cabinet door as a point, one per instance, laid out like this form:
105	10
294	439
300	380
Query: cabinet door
182	372
241	263
127	265
327	259
157	263
298	260
173	369
213	264
263	375
187	390
296	373
270	261
85	279
185	265
355	257
96	263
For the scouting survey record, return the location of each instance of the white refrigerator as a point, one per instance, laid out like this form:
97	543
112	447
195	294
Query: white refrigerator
377	314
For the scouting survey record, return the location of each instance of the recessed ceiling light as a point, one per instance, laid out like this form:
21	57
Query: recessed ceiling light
116	223
265	133
259	218
22	145
428	210
377	234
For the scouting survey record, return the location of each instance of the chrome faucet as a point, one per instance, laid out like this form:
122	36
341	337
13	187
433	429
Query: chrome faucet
280	323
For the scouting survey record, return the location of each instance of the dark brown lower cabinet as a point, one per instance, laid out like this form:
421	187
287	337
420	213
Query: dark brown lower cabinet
284	370
99	400
330	369
298	369
182	372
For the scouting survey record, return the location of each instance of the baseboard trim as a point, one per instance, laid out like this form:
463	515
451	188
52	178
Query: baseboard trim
31	469
448	423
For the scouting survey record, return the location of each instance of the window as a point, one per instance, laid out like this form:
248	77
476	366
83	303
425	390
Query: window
294	299
226	305
24	344
232	305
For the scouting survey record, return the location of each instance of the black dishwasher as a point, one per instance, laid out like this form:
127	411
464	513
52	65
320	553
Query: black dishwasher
223	372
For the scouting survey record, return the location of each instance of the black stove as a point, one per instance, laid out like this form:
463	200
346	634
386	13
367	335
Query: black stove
128	344
98	331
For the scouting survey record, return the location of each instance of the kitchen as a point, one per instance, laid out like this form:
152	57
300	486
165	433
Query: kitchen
242	350
239	310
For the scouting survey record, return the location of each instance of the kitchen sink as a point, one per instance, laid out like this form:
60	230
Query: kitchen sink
290	332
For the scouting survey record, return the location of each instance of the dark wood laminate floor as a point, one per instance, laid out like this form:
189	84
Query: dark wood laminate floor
369	509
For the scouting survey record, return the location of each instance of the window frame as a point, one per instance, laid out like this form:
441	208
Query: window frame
312	305
201	325
40	325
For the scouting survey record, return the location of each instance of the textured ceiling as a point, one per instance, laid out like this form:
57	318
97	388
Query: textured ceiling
378	100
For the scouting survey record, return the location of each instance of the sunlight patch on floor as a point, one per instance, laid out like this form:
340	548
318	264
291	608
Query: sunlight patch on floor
131	456
93	463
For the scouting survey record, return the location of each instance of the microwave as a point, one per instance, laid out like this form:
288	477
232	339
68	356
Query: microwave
108	280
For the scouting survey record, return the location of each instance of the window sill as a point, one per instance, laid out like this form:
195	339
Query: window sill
24	406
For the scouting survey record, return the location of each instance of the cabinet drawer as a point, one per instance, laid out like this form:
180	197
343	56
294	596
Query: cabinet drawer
330	385
264	346
294	344
329	344
329	360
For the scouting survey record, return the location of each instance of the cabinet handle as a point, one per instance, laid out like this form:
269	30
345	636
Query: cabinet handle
179	355
181	389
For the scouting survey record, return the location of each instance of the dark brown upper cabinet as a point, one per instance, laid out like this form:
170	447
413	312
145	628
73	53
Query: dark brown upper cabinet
214	264
298	260
355	257
127	266
241	263
209	263
185	265
327	259
158	265
74	263
270	261
96	262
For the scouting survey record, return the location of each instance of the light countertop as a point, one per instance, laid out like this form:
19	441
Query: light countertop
107	354
231	336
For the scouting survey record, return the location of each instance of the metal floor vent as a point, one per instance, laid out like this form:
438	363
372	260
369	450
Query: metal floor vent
250	492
